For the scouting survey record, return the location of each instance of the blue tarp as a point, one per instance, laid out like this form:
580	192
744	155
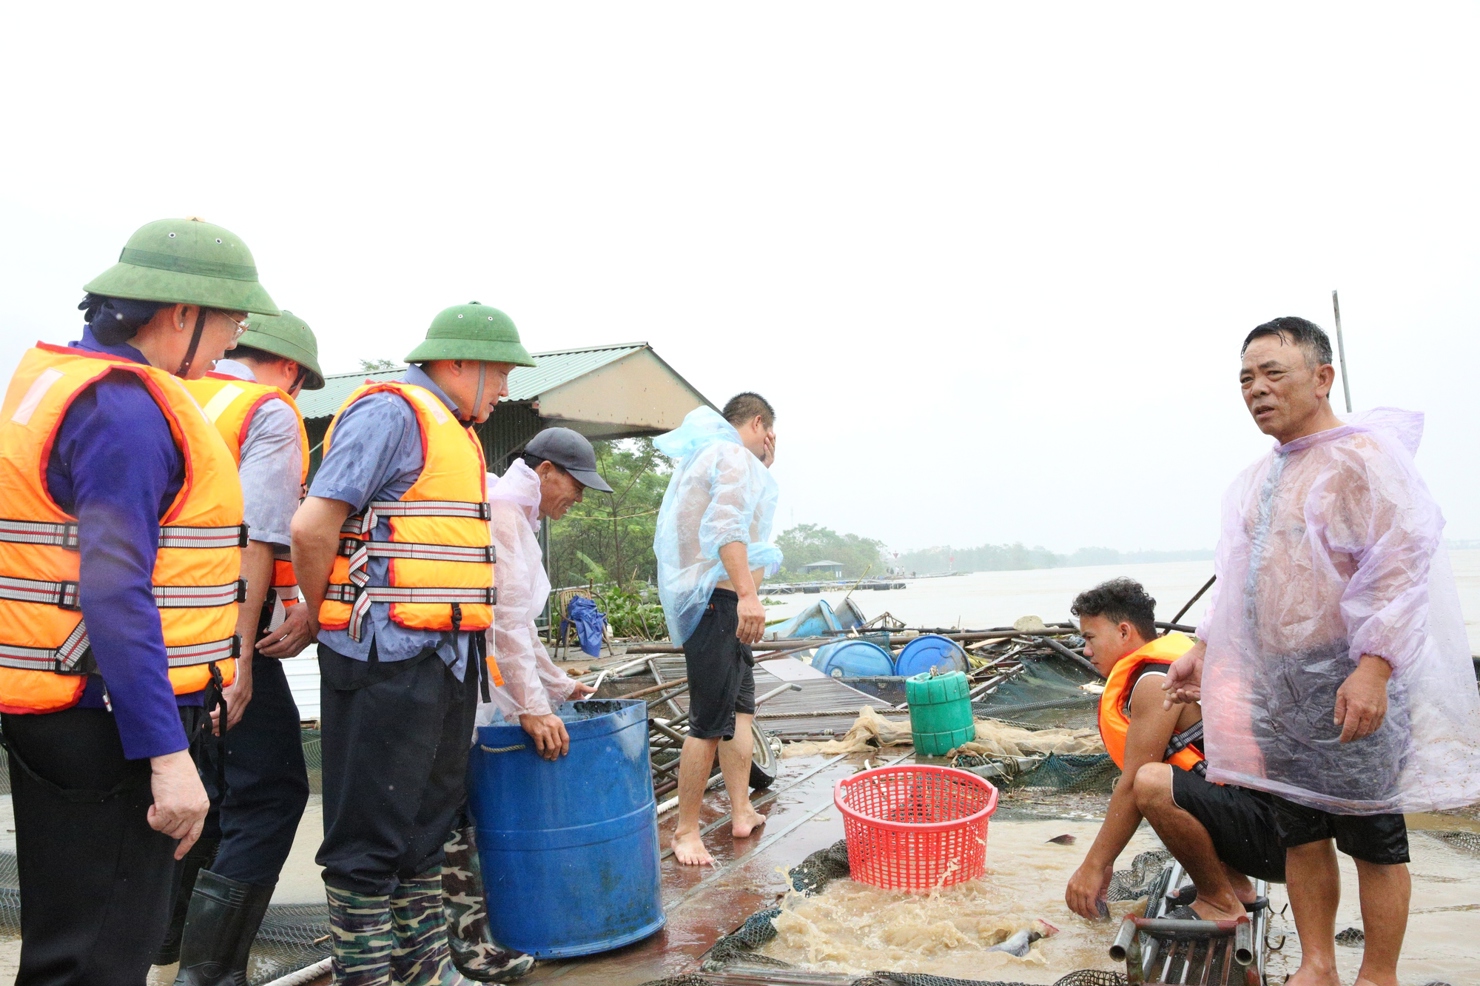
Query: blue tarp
590	624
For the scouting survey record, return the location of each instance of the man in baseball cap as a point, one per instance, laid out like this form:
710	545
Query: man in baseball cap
557	468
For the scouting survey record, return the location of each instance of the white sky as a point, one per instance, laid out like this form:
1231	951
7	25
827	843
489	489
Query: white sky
992	264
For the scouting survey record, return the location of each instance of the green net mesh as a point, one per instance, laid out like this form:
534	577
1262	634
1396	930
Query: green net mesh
292	936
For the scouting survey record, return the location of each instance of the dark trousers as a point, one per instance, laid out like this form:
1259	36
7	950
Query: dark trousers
266	782
95	879
396	739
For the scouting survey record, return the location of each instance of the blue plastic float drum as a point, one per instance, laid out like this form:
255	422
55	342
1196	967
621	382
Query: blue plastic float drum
929	651
854	659
569	848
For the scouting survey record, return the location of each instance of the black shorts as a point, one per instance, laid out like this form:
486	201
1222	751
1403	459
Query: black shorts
1241	823
721	670
1381	839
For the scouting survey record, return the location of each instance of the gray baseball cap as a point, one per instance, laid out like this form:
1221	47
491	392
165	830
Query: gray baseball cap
570	451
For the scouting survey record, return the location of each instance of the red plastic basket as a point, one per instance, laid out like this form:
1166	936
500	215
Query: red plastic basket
915	827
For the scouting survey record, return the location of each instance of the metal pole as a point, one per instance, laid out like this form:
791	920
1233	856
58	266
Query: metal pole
1346	386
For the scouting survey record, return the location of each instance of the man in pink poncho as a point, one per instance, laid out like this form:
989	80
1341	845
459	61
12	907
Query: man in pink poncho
1333	667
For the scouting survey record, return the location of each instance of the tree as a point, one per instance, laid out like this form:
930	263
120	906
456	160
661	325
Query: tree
613	530
372	365
806	543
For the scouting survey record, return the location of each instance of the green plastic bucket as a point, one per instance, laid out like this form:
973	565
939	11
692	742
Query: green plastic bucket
940	712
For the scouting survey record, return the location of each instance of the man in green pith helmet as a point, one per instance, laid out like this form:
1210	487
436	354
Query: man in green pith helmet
227	879
395	559
119	560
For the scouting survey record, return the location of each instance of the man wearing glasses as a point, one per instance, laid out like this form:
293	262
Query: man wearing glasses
120	554
249	831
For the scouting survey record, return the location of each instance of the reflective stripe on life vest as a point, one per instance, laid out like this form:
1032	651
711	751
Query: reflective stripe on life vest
1114	723
197	566
440	554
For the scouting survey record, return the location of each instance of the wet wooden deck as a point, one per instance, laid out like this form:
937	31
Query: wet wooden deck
704	903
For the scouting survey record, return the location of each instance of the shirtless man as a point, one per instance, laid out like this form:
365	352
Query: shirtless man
713	549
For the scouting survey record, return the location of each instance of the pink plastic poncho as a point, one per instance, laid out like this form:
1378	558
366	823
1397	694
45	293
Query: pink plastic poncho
719	494
1330	550
533	685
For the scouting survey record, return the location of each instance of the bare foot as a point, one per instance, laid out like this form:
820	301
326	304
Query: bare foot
746	821
689	850
1210	912
1308	976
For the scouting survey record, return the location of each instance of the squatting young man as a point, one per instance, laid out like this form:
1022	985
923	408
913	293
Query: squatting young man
1222	835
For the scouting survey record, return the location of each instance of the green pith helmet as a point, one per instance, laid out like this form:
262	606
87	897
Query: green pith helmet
472	331
186	262
288	336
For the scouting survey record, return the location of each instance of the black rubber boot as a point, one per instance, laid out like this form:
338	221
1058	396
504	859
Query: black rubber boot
200	856
224	918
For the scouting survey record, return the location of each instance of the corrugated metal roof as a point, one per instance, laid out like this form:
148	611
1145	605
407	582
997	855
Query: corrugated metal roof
526	382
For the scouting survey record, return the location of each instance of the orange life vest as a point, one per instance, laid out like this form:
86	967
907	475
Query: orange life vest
1115	701
230	404
440	547
44	649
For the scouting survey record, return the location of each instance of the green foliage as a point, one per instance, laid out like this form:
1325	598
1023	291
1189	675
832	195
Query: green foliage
632	610
371	365
613	531
806	543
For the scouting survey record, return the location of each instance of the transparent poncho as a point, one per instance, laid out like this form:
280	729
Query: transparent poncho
1331	549
719	494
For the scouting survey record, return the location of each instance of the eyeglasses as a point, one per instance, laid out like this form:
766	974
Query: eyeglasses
239	318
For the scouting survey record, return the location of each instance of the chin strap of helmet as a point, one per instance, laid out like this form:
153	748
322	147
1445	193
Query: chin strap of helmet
478	397
200	326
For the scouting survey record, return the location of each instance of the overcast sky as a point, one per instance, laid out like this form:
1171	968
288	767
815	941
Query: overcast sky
991	263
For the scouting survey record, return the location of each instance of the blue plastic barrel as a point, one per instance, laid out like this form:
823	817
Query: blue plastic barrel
853	659
569	848
928	651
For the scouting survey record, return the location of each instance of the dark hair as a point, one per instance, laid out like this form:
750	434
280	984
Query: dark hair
255	355
114	321
744	406
1297	332
1119	601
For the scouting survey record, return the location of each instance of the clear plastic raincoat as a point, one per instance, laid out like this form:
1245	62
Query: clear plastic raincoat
533	685
1331	549
719	494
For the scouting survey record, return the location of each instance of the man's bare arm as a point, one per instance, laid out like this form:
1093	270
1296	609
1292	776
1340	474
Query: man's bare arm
315	543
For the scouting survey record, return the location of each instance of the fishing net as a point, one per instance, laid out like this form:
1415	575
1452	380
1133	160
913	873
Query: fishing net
1463	841
292	936
1147	874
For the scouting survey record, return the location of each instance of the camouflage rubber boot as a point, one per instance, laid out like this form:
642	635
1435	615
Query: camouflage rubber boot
420	957
363	938
474	951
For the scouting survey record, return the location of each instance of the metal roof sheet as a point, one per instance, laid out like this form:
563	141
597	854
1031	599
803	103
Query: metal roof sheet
526	383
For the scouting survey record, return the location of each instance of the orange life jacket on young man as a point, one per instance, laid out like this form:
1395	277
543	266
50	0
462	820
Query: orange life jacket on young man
440	547
1185	748
44	650
230	404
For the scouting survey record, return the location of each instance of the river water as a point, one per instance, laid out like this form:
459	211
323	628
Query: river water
987	599
853	928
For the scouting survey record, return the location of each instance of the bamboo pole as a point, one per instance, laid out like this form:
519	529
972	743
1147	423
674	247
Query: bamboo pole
1346	386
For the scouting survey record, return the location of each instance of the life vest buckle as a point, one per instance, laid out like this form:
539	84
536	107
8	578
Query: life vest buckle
241	590
69	596
70	541
242	539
